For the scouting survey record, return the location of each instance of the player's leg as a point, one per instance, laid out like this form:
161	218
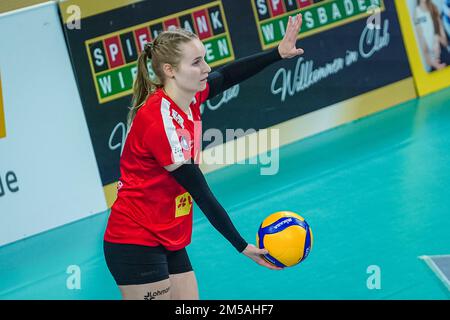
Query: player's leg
140	272
184	286
183	283
159	290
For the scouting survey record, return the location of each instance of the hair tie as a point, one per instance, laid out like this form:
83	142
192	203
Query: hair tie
148	47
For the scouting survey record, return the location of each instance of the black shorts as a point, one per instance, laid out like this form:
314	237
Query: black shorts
132	264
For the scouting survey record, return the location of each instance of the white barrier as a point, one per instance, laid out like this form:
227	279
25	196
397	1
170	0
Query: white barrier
48	171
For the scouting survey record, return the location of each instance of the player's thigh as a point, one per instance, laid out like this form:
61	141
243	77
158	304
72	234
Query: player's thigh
141	272
183	282
183	286
160	290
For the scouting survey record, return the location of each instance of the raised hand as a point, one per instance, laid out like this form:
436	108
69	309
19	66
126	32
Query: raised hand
287	48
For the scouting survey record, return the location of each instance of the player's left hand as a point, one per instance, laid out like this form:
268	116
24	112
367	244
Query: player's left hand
287	48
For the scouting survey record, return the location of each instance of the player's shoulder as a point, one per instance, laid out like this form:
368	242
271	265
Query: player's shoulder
152	106
154	112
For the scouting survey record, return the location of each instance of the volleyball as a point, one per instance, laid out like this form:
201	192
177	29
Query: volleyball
287	237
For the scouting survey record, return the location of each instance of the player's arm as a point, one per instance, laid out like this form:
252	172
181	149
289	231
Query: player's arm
235	72
239	70
190	177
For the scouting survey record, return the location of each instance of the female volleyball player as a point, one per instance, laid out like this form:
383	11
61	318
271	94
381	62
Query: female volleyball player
151	221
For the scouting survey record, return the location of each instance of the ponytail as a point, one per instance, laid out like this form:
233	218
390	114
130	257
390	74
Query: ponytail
143	85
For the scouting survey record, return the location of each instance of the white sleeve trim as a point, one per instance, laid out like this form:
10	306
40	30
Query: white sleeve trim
171	132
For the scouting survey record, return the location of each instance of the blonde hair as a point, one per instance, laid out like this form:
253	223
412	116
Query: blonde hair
165	48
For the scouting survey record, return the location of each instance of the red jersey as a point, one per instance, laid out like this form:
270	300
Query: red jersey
151	207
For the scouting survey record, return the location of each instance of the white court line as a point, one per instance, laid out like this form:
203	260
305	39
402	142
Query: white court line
436	269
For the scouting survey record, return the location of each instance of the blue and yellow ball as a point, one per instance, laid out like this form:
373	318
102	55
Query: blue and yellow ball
287	236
